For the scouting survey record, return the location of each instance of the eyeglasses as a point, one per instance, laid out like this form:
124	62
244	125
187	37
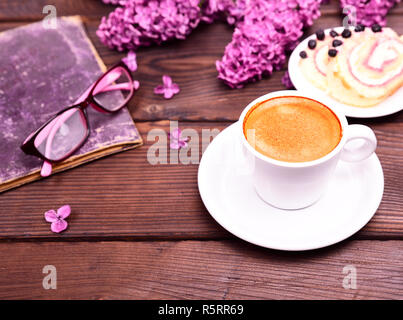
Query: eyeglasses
64	133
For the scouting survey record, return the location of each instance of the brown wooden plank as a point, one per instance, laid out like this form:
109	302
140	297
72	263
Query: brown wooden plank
200	270
126	197
28	10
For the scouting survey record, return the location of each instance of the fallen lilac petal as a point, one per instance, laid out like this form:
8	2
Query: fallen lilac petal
175	88
51	216
175	133
131	61
174	144
177	141
64	211
166	80
58	226
159	89
183	143
168	94
168	88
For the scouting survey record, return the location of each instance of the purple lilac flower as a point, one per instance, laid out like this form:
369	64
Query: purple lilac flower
286	81
221	10
369	12
264	29
114	2
168	88
176	140
56	218
260	40
144	22
131	61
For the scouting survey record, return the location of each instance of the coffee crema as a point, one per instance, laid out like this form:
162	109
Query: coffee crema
292	129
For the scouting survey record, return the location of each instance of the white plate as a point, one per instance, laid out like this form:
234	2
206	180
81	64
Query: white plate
352	199
392	104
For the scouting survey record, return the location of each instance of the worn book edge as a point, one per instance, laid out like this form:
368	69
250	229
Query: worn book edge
77	160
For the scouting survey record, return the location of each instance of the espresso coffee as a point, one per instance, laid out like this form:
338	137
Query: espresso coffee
292	129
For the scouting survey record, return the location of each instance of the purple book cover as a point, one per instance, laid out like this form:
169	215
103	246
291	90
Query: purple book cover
43	71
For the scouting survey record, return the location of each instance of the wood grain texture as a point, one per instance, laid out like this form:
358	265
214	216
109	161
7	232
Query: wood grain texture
200	270
125	196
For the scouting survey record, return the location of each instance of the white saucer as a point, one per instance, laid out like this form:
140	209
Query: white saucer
226	189
390	105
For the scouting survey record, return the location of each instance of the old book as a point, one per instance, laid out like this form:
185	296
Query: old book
42	71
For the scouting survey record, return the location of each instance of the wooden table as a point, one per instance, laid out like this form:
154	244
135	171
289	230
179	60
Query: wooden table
141	231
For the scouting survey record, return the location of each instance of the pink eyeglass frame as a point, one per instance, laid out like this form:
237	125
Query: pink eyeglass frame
87	99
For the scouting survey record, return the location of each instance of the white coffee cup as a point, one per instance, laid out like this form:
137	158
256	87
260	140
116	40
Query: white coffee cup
295	185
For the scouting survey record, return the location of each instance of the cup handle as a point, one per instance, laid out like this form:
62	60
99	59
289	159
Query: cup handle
360	143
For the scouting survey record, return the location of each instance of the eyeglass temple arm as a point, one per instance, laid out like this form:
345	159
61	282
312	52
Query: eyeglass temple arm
103	86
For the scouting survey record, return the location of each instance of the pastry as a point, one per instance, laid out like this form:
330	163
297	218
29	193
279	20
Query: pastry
314	65
359	67
373	67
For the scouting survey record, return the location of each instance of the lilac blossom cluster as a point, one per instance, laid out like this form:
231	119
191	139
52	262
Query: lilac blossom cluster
286	81
137	23
368	12
230	10
265	30
260	40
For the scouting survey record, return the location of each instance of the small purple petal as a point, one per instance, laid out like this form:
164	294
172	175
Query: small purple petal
183	144
64	211
136	84
51	216
166	80
131	61
58	226
168	89
286	81
175	88
175	133
174	144
159	90
168	94
177	141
